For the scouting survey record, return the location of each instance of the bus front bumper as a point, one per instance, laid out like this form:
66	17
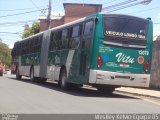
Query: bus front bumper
119	79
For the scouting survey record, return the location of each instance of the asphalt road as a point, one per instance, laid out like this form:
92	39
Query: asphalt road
22	96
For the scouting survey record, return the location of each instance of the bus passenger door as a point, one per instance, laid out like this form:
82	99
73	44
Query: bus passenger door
85	53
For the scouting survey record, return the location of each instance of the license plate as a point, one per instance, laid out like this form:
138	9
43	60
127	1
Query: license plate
123	77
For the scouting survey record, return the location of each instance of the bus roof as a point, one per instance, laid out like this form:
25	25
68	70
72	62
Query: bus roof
81	20
123	15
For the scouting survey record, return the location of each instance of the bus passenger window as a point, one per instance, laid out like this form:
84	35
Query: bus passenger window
64	39
88	28
87	34
75	39
58	39
53	42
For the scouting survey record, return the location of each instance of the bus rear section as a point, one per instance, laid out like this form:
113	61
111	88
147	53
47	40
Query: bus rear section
124	52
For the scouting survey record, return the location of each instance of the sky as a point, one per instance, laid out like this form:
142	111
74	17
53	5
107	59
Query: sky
14	14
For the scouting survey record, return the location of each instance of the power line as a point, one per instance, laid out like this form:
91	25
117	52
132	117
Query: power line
10	33
118	4
37	7
20	9
144	10
126	6
17	23
123	7
110	7
34	4
20	13
9	36
110	2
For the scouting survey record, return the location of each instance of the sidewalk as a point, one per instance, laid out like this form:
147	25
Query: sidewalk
140	92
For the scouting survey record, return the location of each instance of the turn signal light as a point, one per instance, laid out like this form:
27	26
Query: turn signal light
146	66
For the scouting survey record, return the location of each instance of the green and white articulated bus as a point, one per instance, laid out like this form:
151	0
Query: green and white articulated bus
102	50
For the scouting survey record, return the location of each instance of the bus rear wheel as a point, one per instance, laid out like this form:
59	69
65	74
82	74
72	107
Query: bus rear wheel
105	89
63	80
17	75
42	80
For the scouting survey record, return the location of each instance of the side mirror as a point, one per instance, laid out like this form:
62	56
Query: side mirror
149	18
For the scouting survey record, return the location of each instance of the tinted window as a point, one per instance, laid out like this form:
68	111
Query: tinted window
53	42
75	38
88	28
125	27
125	31
75	32
64	41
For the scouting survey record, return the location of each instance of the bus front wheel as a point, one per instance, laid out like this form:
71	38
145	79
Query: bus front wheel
63	80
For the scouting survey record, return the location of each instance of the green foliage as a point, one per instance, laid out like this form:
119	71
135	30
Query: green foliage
5	54
31	31
35	27
27	33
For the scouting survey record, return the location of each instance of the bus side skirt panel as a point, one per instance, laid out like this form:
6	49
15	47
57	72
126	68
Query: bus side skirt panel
24	70
36	71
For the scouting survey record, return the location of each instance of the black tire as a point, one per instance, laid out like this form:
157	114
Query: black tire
42	80
32	78
105	89
75	86
17	75
63	80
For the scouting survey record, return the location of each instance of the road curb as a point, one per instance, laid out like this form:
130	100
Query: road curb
137	94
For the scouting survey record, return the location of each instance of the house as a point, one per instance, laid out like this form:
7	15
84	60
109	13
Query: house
73	11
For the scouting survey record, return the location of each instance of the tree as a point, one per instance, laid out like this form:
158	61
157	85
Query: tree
35	27
5	54
31	31
26	33
0	39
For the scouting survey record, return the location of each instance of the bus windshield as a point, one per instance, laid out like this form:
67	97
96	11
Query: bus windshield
125	30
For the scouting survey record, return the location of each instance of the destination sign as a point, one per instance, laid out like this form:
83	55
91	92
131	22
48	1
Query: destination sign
123	34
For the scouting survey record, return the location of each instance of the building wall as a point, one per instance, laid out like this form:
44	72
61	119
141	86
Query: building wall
155	73
55	23
43	25
77	11
70	19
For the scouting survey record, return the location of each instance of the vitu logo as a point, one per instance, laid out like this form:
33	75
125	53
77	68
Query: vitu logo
124	58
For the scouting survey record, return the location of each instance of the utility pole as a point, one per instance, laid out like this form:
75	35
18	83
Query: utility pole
49	15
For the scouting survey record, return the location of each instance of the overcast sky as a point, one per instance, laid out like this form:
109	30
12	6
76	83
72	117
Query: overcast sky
30	10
